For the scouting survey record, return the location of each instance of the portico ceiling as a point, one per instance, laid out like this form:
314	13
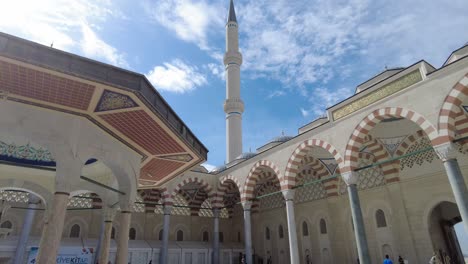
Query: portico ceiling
122	103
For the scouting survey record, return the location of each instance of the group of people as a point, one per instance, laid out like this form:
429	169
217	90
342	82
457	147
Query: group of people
435	259
387	260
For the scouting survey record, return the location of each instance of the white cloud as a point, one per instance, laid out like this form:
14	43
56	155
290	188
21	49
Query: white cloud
304	112
69	25
276	93
191	20
176	76
217	70
324	98
95	47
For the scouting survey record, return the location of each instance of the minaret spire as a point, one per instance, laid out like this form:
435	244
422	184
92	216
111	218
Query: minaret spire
233	105
232	13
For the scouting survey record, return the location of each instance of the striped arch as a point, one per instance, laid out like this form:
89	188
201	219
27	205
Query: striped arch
390	170
150	197
289	180
450	109
203	185
247	192
409	140
223	185
368	123
317	169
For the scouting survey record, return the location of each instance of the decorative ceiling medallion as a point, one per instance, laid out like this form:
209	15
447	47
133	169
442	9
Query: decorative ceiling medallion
330	164
178	157
391	144
113	101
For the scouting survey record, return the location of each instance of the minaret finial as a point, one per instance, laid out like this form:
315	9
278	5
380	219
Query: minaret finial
232	13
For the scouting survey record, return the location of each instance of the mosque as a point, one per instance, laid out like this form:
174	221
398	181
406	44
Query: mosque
95	167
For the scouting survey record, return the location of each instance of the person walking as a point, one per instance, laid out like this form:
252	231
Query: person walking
401	260
387	260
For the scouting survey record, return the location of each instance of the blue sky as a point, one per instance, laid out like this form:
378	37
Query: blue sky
301	55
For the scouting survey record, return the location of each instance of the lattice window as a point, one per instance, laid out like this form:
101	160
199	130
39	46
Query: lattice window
80	201
206	212
139	206
180	201
310	192
224	213
14	196
273	201
419	158
370	177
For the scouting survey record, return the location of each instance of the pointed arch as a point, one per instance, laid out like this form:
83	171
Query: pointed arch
450	109
227	183
369	122
247	192
300	153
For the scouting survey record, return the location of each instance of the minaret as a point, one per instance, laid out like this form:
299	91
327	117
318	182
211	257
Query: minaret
233	106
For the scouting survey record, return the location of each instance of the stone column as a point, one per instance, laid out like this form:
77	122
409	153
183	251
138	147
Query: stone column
216	212
247	232
103	254
448	153
351	179
165	236
26	229
4	206
122	240
50	243
293	246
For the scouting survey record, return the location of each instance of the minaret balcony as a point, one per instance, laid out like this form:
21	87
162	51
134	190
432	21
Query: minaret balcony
232	57
233	105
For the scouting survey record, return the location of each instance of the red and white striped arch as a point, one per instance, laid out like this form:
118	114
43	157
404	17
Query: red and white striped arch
389	169
292	168
203	185
450	109
224	183
247	192
357	138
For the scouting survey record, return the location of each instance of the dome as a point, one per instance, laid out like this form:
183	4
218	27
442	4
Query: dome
281	139
246	155
219	169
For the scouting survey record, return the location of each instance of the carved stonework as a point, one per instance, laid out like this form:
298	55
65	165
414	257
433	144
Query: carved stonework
288	194
112	101
446	151
350	177
387	90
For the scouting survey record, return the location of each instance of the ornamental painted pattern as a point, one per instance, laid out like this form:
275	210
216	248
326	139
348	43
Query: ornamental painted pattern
421	157
387	90
112	101
14	196
27	152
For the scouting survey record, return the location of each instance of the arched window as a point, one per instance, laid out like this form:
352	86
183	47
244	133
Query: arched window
205	236
132	234
238	237
221	237
323	226
280	231
75	231
305	229
160	235
267	233
180	235
7	224
113	233
380	218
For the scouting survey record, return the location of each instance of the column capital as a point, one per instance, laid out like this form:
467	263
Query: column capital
288	194
247	205
167	209
109	214
216	212
350	177
446	151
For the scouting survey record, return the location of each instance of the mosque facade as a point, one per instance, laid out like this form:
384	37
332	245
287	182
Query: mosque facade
96	167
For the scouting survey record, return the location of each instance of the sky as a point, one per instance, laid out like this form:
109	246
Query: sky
301	55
